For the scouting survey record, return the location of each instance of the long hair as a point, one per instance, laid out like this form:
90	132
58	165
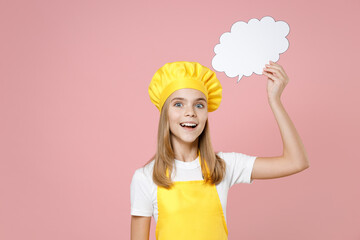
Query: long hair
164	157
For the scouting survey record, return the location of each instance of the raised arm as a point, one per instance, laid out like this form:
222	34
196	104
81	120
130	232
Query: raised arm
140	228
294	158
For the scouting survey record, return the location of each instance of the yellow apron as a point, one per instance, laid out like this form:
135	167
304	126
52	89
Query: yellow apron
190	210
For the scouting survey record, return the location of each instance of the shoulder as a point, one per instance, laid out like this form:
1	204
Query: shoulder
233	156
142	191
144	173
235	160
238	167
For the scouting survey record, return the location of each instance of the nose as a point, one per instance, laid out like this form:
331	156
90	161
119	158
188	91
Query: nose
189	111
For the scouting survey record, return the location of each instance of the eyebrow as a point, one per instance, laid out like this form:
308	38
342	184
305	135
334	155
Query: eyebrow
183	99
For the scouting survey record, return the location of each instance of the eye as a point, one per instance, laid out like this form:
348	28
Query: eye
178	104
199	105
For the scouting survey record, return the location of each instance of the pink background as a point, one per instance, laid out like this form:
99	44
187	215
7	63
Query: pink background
76	119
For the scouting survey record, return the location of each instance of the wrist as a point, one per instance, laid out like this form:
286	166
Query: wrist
274	100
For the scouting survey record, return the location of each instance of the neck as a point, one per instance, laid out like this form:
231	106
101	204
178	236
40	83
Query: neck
185	152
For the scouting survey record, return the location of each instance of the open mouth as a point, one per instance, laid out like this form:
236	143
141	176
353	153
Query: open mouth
188	125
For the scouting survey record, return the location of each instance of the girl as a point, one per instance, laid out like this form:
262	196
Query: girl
185	186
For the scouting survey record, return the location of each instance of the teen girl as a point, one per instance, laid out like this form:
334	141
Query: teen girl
185	186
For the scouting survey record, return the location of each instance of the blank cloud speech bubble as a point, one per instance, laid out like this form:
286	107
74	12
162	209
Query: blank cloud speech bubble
249	46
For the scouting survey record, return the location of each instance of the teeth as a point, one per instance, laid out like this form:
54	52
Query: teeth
188	124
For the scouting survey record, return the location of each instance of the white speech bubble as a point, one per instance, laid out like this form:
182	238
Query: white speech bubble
249	46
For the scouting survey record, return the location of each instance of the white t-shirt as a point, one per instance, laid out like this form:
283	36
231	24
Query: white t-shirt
143	191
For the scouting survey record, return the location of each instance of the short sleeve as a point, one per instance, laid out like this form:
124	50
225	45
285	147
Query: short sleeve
239	167
140	195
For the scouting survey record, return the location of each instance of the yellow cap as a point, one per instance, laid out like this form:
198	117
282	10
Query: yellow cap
179	75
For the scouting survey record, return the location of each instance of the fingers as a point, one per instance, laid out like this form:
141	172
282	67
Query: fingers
280	68
271	76
272	71
274	66
276	69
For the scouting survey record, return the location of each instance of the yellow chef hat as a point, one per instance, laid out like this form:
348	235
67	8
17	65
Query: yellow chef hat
177	75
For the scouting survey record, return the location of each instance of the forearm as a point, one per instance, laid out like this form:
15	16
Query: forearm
293	148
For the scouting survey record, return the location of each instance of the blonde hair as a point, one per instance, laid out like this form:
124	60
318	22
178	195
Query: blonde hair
164	157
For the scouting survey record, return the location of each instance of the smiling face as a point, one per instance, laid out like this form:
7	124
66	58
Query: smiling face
187	115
